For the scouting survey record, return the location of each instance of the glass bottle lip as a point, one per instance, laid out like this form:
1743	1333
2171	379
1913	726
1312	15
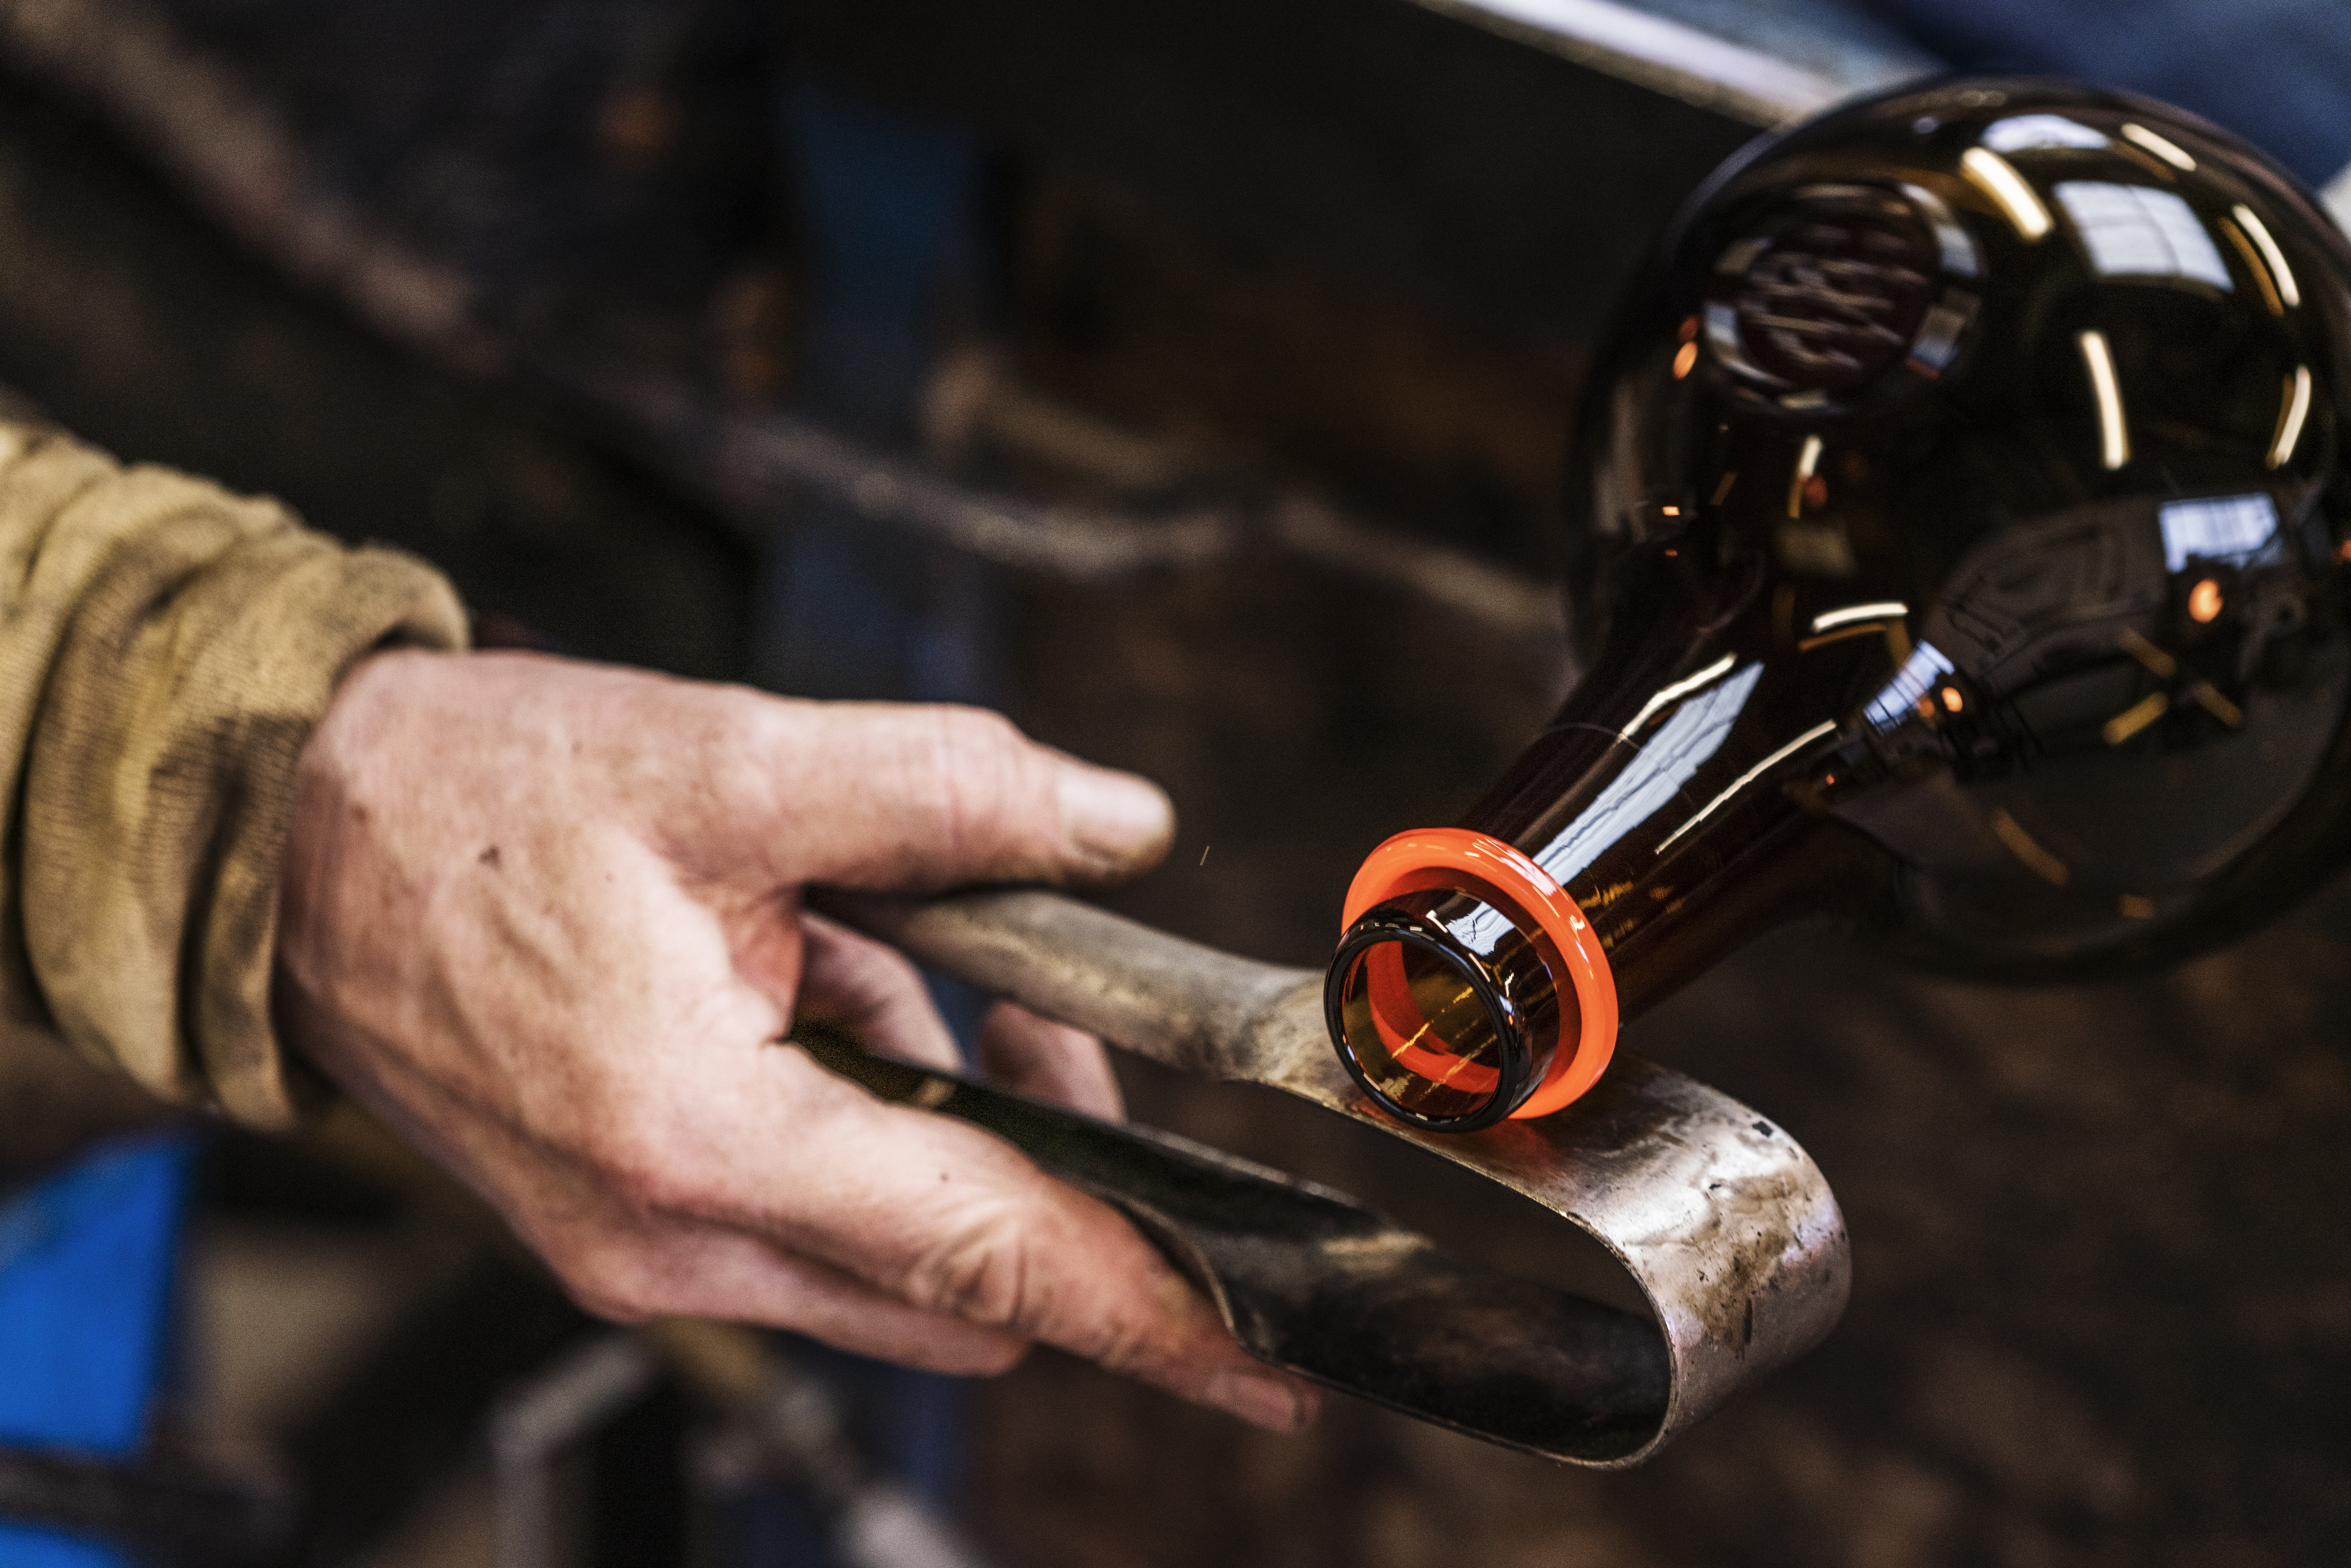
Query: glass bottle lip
1517	1053
1464	861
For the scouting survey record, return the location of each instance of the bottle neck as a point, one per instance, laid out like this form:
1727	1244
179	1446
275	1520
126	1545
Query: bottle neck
1673	797
1672	810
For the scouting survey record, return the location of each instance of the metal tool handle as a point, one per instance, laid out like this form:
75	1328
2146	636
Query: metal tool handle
1724	1222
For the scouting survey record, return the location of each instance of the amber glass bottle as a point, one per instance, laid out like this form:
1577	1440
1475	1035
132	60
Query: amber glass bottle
1964	520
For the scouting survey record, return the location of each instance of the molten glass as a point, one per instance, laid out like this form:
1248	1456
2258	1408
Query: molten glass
1430	988
1961	532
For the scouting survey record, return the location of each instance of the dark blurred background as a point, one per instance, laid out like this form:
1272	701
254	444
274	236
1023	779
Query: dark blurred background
1190	383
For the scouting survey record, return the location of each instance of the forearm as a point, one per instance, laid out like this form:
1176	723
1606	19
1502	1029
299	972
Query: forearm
166	650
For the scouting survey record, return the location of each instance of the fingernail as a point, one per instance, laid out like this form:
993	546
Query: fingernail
1114	821
1272	1402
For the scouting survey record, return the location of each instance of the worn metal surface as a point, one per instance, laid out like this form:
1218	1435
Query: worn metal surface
1723	1221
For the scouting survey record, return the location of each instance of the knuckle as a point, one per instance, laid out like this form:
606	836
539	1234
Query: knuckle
977	760
1129	1342
981	1272
645	1171
976	734
647	1184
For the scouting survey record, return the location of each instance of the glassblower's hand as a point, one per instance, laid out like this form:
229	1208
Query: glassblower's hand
543	917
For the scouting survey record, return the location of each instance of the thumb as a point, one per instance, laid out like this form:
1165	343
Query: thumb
903	797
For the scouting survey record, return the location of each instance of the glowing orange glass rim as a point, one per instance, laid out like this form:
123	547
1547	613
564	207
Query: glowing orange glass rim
1456	860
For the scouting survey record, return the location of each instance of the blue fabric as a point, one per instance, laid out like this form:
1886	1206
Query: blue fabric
2276	72
88	1275
886	206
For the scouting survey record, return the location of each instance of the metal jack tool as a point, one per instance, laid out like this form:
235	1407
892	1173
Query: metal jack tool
1723	1221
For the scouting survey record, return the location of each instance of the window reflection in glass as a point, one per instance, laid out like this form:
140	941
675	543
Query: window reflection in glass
2038	133
2231	528
2133	231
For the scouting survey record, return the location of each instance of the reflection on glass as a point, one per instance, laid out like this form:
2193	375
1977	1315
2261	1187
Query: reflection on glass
1666	696
1956	247
1997	178
2206	697
1722	331
2133	231
2162	663
2205	604
2294	409
1938	334
2036	133
2030	851
2135	717
1807	461
1881	609
2163	147
2288	289
2113	435
1821	731
1419	1030
2255	265
1919	671
1680	747
2230	529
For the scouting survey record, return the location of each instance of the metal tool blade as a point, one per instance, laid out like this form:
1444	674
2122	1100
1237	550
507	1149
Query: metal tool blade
1723	1221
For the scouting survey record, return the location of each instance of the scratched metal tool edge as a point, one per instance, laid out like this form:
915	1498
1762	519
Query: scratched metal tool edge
1722	1219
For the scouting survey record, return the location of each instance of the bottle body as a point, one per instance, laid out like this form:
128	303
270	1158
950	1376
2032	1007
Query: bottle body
1967	511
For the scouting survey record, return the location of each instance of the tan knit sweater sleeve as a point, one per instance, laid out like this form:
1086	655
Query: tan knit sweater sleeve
165	648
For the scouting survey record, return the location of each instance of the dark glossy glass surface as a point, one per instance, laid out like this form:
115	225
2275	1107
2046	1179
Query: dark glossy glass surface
1444	1010
1995	434
1963	500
